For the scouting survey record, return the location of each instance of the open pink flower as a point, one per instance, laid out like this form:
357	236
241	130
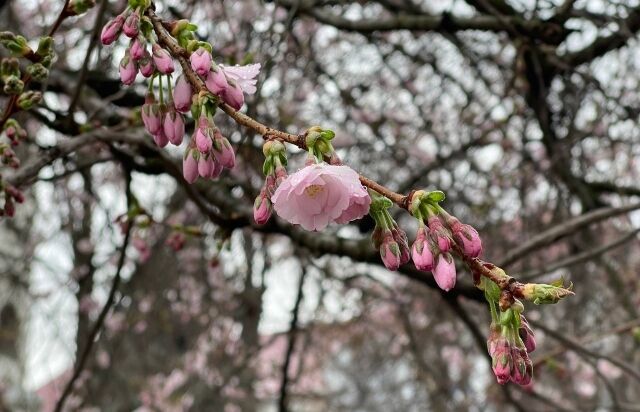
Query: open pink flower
320	194
244	76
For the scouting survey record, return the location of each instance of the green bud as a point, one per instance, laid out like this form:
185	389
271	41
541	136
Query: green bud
328	134
13	85
206	45
38	71
435	196
45	46
268	166
539	293
9	67
16	44
78	7
29	99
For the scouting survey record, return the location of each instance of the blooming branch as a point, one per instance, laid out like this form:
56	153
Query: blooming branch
324	191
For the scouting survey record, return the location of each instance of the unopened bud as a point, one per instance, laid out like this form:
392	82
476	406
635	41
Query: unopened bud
29	99
13	85
16	44
38	72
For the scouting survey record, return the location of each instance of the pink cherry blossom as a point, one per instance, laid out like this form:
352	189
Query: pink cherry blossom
319	194
244	76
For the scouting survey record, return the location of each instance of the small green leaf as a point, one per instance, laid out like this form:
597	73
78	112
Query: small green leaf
435	196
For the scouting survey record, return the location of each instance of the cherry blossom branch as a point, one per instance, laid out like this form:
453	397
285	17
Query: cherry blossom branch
511	288
180	54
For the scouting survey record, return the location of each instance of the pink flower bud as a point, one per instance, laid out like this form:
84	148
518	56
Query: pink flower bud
111	30
223	151
128	70
502	363
151	115
403	243
522	371
390	252
160	138
217	170
203	135
201	61
190	166
162	60
173	126
466	237
439	234
131	25
216	81
205	166
233	96
138	48
176	241
526	334
147	68
445	272
422	256
182	94
262	208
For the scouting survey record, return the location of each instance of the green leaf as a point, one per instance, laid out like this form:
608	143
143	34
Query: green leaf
328	134
436	196
267	167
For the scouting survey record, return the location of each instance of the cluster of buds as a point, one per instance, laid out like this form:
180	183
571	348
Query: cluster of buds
438	233
274	169
387	236
161	119
208	152
138	57
318	142
14	132
14	82
8	156
11	196
509	344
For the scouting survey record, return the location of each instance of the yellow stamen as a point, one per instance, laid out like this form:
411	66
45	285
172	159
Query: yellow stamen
313	190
